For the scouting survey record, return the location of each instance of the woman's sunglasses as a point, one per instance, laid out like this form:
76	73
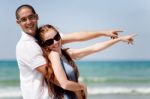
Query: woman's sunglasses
51	41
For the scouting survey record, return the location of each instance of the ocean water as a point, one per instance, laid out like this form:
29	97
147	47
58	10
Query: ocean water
101	78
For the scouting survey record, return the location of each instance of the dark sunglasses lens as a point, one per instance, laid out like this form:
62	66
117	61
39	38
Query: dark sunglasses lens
49	42
57	37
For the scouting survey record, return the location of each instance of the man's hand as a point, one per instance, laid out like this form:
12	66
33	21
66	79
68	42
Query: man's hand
113	33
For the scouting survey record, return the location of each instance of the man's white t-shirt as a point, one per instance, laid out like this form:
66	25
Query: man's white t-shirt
30	56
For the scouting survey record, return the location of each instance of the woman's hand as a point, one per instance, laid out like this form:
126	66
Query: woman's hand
82	94
129	38
113	33
85	90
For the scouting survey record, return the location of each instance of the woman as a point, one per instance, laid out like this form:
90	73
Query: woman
63	80
69	87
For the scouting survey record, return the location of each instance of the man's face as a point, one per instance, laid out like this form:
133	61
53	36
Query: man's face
27	21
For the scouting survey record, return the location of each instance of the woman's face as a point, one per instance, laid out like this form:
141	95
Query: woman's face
52	39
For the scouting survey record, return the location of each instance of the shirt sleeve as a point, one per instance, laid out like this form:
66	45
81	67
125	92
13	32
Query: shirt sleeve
33	55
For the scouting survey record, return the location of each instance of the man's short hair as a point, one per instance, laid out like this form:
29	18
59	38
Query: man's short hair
22	6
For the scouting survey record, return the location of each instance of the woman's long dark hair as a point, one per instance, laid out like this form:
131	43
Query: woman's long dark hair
54	89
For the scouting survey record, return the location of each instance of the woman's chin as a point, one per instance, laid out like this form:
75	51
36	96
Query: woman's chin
55	49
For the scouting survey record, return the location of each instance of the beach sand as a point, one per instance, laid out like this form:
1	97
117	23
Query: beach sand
119	96
109	96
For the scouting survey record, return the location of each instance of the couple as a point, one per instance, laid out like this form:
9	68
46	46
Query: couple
46	70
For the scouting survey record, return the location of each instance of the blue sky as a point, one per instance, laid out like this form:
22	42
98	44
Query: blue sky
132	16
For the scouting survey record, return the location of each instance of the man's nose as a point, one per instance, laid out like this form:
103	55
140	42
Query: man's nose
28	21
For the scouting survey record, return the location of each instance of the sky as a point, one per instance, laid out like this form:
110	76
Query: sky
131	16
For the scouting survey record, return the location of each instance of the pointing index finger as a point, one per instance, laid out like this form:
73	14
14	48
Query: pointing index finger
133	35
118	30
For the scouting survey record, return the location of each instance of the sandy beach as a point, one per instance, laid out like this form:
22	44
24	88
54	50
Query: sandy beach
119	96
108	96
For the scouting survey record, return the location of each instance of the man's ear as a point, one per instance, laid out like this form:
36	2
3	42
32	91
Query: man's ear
17	21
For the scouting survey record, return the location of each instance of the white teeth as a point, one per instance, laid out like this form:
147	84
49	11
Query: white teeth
30	26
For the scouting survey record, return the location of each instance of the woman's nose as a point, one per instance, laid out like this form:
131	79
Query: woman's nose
55	42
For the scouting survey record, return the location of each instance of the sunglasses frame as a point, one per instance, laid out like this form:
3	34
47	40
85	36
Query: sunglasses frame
50	41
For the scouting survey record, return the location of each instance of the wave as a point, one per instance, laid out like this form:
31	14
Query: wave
11	92
99	85
14	92
113	80
9	82
119	90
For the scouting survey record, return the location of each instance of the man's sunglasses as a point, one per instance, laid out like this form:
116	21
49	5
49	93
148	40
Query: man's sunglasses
51	41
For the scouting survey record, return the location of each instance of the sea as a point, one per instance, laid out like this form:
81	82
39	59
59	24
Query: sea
103	78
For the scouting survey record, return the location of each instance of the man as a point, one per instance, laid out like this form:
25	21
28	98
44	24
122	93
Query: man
30	56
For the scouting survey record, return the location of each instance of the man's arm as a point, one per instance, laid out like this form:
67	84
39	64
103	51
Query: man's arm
42	69
83	36
47	71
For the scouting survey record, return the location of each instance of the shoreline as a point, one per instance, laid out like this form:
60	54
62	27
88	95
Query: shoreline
119	96
107	96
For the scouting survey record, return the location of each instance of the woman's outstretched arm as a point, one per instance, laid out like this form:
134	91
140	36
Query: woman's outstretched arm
79	53
83	36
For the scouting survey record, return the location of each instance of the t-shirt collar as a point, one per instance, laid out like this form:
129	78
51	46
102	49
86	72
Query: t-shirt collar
26	36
